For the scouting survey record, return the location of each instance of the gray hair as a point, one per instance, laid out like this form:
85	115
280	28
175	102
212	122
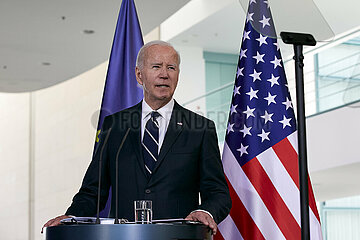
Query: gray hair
142	51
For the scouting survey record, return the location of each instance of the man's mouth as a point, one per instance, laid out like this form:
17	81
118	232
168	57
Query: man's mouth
162	85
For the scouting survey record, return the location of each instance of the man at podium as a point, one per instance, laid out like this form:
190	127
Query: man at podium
169	156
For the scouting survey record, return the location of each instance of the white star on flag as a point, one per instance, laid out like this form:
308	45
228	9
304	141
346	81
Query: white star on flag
246	35
267	116
242	149
249	112
259	57
276	62
265	21
285	122
252	93
255	75
277	45
230	128
264	135
273	80
233	109
261	40
270	98
246	131
236	90
242	53
239	72
267	2
249	17
287	103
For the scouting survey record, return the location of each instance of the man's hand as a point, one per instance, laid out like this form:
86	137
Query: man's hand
54	221
204	218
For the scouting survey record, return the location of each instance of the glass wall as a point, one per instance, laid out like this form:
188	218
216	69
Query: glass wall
338	75
220	76
340	218
332	81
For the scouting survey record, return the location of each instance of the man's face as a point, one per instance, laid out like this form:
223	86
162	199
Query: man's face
158	75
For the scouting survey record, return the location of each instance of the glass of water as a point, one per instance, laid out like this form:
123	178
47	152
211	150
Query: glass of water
143	211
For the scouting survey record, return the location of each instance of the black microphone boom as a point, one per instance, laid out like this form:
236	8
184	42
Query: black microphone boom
99	186
117	177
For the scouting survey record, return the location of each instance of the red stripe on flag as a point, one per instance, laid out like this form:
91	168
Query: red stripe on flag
218	236
272	199
241	217
289	158
312	202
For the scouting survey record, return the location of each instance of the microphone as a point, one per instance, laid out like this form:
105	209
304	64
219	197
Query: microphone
117	177
99	186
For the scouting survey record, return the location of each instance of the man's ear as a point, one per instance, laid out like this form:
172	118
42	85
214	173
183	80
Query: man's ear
138	75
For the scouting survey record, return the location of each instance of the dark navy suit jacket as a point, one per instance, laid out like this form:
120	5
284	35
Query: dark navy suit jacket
189	163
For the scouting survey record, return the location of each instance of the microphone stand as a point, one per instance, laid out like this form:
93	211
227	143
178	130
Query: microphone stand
117	177
99	185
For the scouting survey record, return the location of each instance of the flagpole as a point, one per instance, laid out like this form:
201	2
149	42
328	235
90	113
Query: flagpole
298	41
303	168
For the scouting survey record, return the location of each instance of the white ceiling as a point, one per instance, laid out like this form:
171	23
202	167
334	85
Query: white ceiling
220	32
42	42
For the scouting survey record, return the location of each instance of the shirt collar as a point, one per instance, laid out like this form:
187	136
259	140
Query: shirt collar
164	111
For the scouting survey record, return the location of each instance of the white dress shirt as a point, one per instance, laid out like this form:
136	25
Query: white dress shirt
163	120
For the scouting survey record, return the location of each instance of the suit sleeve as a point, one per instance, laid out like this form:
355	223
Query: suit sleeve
214	191
85	201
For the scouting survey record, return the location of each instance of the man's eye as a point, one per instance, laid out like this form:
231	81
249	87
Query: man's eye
156	66
172	68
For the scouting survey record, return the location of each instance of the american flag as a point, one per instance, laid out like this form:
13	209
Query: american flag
260	151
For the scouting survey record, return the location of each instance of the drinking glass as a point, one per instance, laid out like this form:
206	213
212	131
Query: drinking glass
143	211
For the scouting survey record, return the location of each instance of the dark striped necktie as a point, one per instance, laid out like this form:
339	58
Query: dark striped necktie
150	142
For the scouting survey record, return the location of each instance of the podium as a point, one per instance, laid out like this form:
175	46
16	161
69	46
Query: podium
128	232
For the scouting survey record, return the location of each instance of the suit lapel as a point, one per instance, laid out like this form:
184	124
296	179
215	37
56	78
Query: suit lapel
174	129
135	134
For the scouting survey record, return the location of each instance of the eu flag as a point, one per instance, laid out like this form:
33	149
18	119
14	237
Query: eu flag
121	89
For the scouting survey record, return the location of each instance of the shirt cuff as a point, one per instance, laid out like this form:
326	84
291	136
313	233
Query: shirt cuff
201	210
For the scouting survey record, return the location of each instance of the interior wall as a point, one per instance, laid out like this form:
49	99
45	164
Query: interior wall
333	159
333	138
14	165
65	126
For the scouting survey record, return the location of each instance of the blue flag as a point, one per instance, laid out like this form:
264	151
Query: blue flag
121	88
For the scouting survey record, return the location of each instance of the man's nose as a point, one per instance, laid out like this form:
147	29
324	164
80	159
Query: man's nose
164	72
